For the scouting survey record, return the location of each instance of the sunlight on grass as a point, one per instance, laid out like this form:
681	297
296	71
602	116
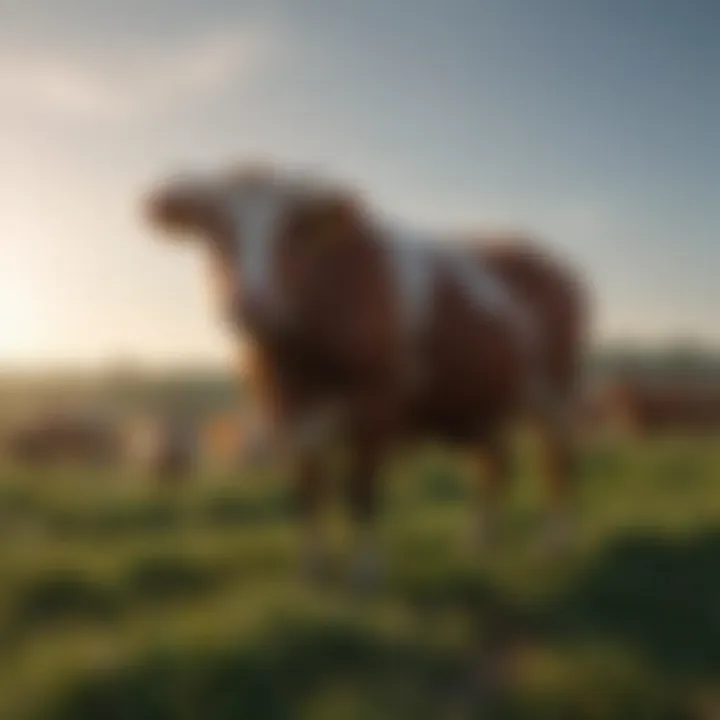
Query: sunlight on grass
192	605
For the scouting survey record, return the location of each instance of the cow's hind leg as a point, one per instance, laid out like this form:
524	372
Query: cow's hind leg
310	495
491	470
372	435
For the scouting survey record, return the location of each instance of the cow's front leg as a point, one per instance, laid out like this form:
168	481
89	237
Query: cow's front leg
310	484
363	499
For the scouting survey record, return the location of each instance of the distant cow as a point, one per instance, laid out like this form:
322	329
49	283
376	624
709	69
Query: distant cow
652	408
385	334
61	437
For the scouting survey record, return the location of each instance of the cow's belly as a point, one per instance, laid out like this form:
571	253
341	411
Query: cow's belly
456	426
466	407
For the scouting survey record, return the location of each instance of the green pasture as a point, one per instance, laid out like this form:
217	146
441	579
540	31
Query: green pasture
121	601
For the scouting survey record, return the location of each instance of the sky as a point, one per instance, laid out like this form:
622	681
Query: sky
594	125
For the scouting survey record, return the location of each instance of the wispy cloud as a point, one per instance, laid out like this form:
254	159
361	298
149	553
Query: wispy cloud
137	81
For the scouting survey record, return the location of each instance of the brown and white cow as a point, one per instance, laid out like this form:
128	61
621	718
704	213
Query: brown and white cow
387	334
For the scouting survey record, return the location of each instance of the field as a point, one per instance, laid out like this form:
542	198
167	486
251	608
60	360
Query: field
119	601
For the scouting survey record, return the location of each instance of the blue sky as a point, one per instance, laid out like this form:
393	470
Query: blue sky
594	124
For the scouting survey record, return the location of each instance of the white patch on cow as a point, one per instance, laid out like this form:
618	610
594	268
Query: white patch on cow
412	263
257	208
488	292
256	215
417	258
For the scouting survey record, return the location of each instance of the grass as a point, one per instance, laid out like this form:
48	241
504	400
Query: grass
117	601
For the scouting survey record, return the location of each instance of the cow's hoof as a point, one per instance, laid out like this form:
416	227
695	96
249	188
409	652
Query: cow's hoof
556	537
366	575
317	569
482	537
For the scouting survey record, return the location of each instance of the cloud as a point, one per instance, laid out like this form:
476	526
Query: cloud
137	81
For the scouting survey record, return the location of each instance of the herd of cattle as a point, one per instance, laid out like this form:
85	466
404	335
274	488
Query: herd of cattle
166	447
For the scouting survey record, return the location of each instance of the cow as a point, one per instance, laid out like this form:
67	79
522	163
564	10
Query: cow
385	335
66	437
660	408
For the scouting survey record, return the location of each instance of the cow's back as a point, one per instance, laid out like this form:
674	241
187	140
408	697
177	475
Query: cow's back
483	358
552	296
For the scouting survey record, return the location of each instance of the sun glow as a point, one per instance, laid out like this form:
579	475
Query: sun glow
15	330
18	317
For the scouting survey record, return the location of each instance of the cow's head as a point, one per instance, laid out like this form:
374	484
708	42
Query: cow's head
271	236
